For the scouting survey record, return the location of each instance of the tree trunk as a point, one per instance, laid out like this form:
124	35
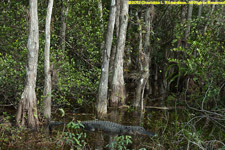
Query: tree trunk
144	60
213	8
27	109
140	84
48	84
118	94
64	13
200	10
102	24
103	85
118	4
100	8
183	16
190	10
113	50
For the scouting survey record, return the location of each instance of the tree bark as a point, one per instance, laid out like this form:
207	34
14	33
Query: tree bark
200	10
100	8
183	16
118	4
140	84
27	109
118	94
102	24
144	60
113	50
190	10
103	85
48	84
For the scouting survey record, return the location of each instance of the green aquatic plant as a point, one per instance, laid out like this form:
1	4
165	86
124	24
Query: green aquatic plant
120	142
73	137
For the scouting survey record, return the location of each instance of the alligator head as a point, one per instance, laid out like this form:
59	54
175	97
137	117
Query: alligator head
138	130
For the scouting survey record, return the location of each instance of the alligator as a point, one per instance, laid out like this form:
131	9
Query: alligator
110	128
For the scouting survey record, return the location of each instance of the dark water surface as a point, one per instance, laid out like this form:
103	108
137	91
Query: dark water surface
151	120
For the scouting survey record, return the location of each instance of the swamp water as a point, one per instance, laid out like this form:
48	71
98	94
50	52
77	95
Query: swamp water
165	123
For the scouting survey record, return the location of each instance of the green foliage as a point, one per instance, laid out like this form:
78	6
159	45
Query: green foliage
78	67
203	60
8	133
62	111
12	75
13	37
86	24
120	142
72	84
200	60
76	70
13	28
72	139
173	76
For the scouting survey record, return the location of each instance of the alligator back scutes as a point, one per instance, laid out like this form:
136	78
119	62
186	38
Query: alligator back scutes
105	126
109	127
114	128
100	122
